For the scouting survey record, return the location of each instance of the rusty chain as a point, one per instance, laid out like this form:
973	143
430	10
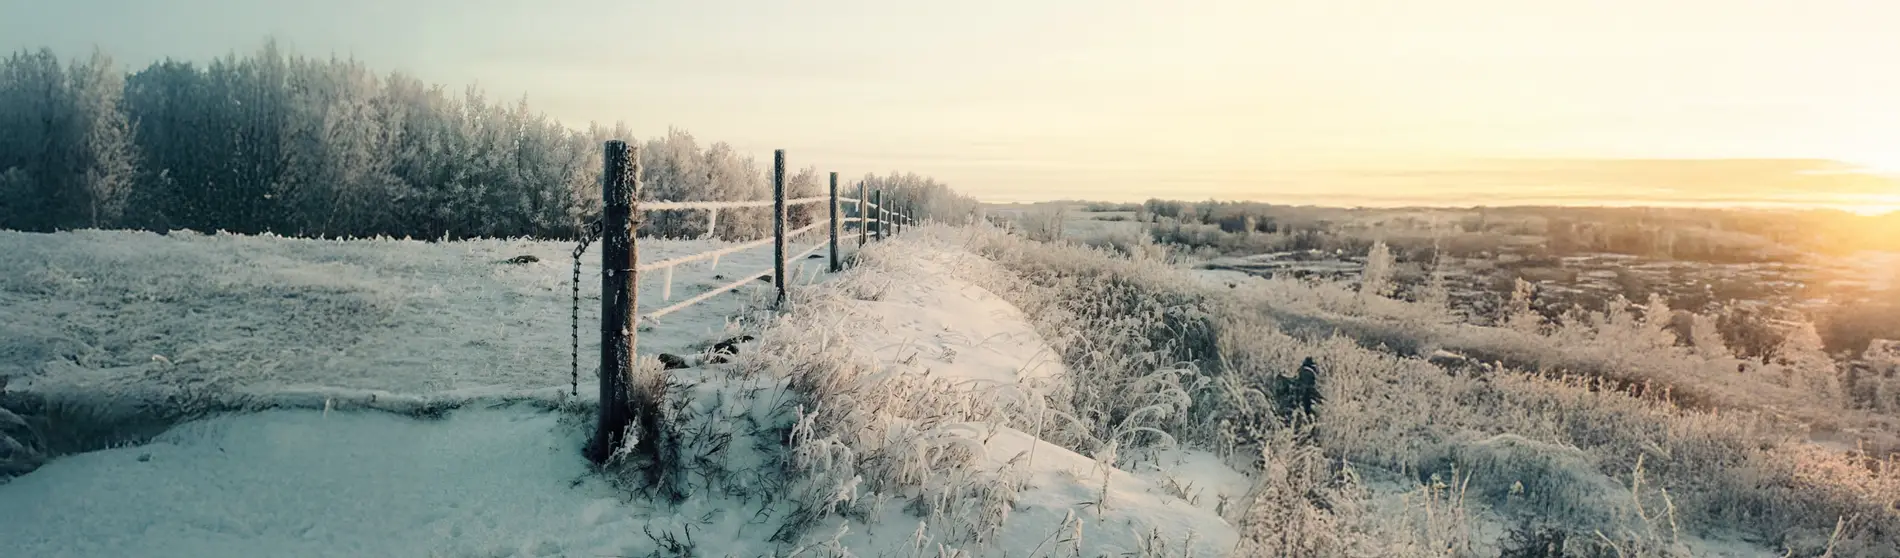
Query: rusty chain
588	235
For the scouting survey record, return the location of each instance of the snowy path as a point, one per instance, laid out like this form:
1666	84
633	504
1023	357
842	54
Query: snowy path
925	320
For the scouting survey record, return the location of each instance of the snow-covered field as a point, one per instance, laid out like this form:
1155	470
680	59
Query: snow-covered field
957	392
306	324
102	311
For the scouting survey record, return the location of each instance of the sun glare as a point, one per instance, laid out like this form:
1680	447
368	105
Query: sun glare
1880	164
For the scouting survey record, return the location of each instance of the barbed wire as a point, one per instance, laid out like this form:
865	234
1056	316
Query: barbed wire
592	233
589	234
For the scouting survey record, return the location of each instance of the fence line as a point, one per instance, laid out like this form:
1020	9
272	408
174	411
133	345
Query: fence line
684	205
710	254
716	291
620	273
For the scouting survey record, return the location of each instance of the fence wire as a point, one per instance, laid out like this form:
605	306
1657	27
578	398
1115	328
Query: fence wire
593	231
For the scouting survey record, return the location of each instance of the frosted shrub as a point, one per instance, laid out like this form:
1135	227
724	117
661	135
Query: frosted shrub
1287	513
1043	222
1435	298
1376	279
1130	243
1805	365
1517	314
1706	339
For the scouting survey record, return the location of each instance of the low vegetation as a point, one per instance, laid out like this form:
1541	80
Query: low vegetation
1598	430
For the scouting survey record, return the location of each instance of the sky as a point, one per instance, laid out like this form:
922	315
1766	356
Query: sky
1109	99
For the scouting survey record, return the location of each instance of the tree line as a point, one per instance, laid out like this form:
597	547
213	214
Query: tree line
287	144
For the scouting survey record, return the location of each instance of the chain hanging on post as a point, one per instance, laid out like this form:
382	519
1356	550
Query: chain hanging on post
588	236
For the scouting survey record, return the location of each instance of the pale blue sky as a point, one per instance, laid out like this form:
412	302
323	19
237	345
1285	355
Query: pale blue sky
1107	99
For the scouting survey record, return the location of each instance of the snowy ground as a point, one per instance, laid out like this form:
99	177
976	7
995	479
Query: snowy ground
101	311
483	482
401	320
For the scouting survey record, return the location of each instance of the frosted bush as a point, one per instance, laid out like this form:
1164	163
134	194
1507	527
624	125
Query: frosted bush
1044	222
1376	279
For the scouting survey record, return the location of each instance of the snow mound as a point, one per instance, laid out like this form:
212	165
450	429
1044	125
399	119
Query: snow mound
926	319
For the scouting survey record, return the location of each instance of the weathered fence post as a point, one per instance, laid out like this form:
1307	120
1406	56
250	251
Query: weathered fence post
864	216
619	301
877	199
778	223
834	224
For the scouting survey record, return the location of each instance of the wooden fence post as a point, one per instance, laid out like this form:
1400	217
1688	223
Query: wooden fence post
877	199
778	223
835	267
864	215
619	301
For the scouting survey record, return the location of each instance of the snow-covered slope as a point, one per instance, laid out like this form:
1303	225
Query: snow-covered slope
507	479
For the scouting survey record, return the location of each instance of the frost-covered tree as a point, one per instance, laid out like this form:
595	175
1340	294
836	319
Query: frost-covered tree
930	199
803	184
109	159
1377	278
341	149
736	176
1804	363
42	141
1517	313
672	168
1706	339
66	146
272	141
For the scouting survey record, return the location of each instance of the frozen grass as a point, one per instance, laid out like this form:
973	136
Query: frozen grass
964	392
1140	332
921	394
